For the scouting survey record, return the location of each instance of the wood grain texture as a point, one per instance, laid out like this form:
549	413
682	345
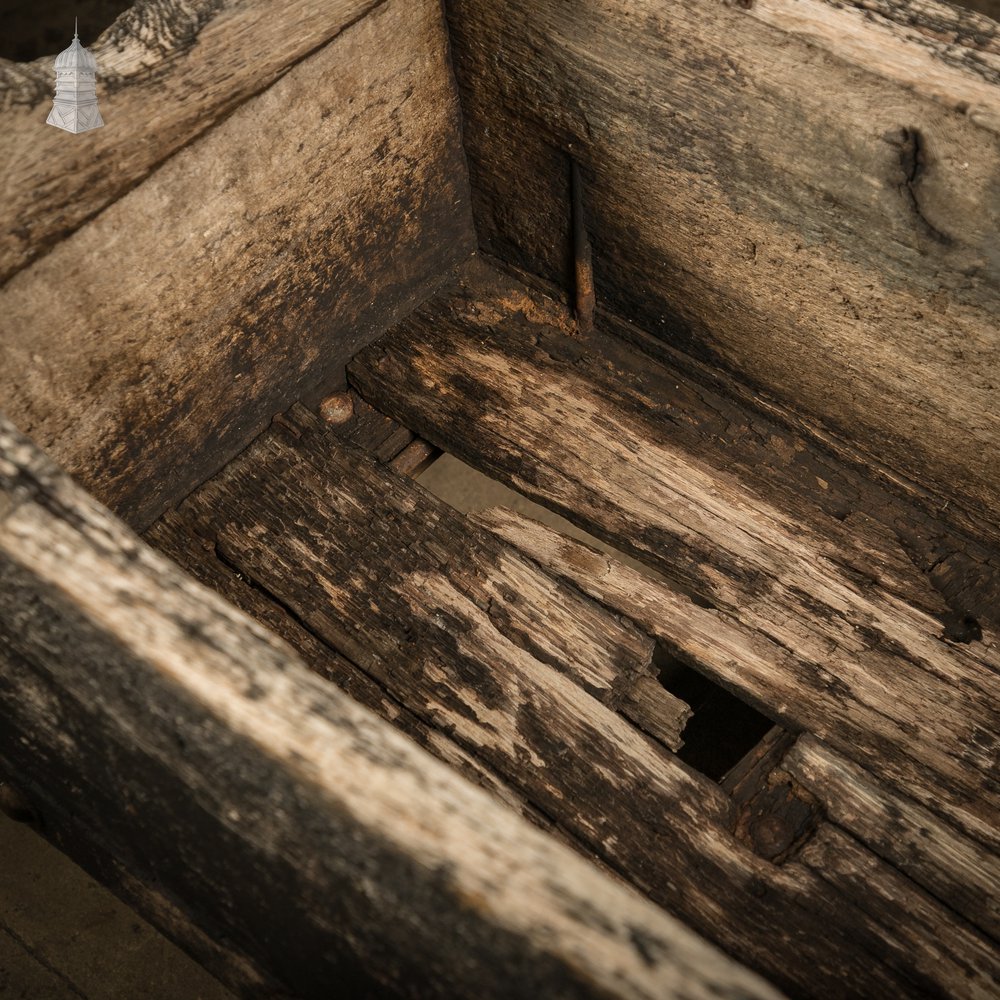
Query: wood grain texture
934	854
487	647
167	72
285	815
808	622
155	342
808	224
938	941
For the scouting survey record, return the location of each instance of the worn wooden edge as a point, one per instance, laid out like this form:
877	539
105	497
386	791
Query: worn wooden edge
246	764
936	855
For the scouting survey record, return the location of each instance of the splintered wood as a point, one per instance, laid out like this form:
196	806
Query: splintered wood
316	839
515	650
782	611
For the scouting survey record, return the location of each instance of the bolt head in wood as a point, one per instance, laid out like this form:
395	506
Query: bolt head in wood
338	408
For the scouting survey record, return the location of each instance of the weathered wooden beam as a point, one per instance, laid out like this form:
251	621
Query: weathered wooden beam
167	73
939	942
285	815
933	853
480	642
801	193
165	333
793	614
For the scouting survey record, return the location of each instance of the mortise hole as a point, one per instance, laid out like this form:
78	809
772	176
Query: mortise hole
29	30
722	729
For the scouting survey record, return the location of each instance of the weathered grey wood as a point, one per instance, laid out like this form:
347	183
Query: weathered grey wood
167	73
792	614
803	193
957	870
939	942
179	537
156	341
435	611
273	805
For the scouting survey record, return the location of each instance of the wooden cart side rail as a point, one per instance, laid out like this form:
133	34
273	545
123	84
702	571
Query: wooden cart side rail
283	813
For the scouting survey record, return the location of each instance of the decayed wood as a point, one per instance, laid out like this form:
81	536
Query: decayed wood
179	537
938	942
281	812
404	585
156	341
812	225
791	615
936	855
167	72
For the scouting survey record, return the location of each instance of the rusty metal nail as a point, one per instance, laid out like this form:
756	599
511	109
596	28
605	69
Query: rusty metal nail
338	408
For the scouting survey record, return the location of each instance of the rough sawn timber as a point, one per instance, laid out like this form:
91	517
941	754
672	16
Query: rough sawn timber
815	640
476	641
290	819
242	273
166	73
763	195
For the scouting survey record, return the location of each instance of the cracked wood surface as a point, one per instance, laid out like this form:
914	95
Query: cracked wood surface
802	616
767	192
933	853
155	342
289	819
484	645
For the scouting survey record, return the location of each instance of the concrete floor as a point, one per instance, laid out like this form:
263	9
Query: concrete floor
64	936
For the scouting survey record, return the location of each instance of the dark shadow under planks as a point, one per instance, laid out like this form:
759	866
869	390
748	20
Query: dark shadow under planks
155	342
825	626
415	594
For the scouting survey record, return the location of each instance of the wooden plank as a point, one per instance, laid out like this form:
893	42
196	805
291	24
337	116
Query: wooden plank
179	537
782	611
931	852
431	607
167	73
939	942
766	192
154	343
276	808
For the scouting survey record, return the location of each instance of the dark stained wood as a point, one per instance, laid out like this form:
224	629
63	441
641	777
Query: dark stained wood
799	614
802	193
938	942
155	342
412	592
181	538
190	741
933	853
